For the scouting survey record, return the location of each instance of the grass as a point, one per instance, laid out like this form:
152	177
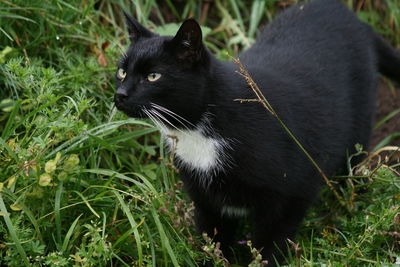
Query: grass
83	185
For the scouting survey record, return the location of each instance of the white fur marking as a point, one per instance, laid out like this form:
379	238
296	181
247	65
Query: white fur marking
198	151
234	211
204	155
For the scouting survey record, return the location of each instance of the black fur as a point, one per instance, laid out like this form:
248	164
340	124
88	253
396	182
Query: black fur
318	66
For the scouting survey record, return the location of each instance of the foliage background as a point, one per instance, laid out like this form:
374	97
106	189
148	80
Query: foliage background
83	185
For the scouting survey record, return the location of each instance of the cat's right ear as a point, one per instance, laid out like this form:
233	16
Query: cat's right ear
188	40
135	29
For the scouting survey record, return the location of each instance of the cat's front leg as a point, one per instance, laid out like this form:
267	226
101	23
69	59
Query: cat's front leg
220	228
264	226
275	226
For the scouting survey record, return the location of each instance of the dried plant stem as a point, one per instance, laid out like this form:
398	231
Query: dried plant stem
261	99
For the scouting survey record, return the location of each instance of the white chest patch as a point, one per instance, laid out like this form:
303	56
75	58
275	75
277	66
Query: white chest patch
195	150
203	154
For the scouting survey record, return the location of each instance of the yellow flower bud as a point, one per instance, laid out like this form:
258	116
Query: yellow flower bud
15	207
62	176
11	181
50	166
45	179
58	156
71	162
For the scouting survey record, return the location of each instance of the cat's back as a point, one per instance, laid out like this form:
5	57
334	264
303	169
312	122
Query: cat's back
307	32
317	66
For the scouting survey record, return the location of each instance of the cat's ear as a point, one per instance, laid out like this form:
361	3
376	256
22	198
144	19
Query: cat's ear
135	29
188	40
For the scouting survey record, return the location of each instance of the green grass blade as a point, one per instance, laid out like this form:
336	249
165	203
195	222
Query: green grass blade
237	14
120	260
387	118
164	240
13	16
96	131
257	10
103	231
133	225
57	214
386	141
6	34
127	233
87	204
119	176
153	252
123	237
12	232
173	9
7	132
69	234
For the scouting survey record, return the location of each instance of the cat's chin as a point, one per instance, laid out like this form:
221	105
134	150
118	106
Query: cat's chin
132	112
138	114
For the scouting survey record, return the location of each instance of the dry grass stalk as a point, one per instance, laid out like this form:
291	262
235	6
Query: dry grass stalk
261	98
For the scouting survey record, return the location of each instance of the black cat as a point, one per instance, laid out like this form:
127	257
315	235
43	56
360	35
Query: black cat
318	66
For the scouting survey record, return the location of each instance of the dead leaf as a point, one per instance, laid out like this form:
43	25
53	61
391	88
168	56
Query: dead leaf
105	45
101	59
396	219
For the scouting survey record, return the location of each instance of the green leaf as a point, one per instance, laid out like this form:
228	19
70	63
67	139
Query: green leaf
6	105
150	150
5	54
150	173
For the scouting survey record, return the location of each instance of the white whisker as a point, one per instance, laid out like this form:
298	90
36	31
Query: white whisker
160	116
156	121
124	54
161	108
172	114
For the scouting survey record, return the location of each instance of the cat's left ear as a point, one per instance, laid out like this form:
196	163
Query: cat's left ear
135	29
188	40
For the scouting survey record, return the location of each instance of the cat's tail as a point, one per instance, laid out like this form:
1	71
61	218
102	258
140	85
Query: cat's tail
388	59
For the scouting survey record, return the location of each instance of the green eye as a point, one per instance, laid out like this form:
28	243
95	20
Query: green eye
152	77
121	74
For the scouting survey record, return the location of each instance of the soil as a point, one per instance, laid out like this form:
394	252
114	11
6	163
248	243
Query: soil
388	101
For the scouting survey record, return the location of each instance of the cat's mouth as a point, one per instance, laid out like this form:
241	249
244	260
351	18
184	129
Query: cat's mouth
161	116
132	110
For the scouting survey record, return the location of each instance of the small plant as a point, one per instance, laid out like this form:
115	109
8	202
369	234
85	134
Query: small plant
213	250
257	260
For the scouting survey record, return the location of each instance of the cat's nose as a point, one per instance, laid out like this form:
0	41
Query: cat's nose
121	95
120	98
122	92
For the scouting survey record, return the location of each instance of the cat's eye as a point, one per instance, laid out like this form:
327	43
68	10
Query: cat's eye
152	77
121	74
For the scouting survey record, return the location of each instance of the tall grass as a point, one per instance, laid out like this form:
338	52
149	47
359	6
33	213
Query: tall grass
83	185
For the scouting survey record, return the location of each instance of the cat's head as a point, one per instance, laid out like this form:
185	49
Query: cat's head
163	76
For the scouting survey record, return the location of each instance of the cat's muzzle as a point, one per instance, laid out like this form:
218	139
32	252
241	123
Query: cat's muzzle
133	110
119	100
